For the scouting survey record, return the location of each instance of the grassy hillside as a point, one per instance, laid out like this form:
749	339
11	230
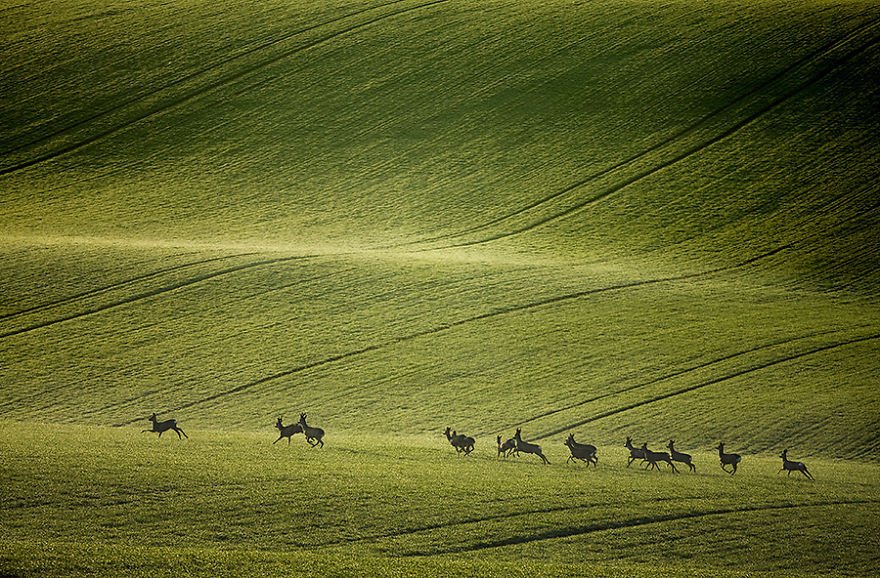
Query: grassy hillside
610	218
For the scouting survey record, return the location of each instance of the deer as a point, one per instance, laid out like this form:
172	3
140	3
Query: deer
583	452
528	448
634	452
314	435
507	448
161	427
461	443
653	457
287	431
793	466
467	442
728	459
680	457
455	440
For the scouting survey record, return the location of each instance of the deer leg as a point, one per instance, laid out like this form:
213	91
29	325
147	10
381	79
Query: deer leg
180	431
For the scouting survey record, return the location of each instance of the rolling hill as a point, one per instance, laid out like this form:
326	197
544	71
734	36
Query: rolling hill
610	218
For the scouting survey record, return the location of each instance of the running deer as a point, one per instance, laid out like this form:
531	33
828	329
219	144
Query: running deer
161	427
583	452
634	452
728	459
528	448
680	457
507	448
286	431
454	440
793	466
653	457
461	443
467	442
314	435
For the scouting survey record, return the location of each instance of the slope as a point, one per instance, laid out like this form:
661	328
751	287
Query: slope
614	216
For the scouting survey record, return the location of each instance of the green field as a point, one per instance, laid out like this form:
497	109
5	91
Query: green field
611	218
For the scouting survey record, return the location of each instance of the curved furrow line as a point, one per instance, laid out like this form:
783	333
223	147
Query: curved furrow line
740	373
212	86
153	293
483	519
512	309
673	375
519	308
403	339
117	285
587	529
731	130
190	77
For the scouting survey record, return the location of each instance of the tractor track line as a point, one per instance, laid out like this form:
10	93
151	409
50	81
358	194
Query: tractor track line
191	76
195	93
452	325
492	518
730	131
585	530
117	285
740	373
740	100
396	341
153	293
674	375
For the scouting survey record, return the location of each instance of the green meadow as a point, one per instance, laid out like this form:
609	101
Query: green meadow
611	218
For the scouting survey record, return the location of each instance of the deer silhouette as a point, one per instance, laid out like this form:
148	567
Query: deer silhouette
287	431
507	448
793	466
634	452
653	457
314	435
467	442
728	459
462	443
680	457
161	427
528	448
583	452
